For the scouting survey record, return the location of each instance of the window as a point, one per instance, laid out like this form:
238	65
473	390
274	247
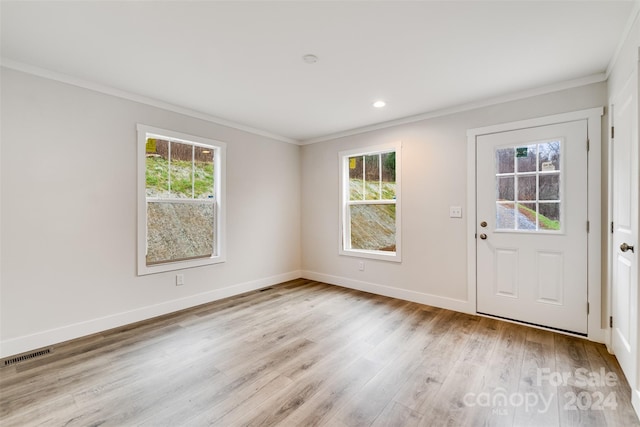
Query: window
181	200
370	202
528	187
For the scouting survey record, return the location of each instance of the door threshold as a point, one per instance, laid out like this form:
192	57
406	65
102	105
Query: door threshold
546	328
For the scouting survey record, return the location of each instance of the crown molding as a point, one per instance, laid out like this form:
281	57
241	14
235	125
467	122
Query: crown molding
633	17
64	78
108	90
595	78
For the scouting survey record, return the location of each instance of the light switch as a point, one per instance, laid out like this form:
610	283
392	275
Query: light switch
455	211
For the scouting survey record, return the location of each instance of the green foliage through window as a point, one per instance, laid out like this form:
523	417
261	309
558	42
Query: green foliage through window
177	172
371	202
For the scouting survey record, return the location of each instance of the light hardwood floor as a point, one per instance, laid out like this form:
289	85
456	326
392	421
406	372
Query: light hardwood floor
305	353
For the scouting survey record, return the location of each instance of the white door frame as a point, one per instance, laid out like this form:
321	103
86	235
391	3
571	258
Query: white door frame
596	322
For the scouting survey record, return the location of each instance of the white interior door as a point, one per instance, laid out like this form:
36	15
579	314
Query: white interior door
532	231
624	285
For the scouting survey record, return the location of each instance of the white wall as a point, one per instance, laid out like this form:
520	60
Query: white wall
434	152
68	206
68	201
626	58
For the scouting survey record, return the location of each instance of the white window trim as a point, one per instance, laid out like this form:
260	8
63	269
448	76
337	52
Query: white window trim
344	226
220	201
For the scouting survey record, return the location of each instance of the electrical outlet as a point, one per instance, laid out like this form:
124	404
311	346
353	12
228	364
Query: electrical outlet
361	265
179	279
455	211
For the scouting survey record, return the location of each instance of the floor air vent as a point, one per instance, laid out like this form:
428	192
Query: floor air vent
265	289
24	357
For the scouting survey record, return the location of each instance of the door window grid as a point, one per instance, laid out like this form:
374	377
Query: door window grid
528	187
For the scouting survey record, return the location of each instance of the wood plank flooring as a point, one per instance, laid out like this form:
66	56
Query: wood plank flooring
305	353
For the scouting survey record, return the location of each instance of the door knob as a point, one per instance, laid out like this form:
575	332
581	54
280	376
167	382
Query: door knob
483	236
624	248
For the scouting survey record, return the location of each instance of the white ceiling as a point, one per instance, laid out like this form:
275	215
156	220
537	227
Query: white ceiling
242	61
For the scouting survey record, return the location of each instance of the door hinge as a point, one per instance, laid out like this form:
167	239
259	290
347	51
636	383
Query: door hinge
588	226
612	132
611	227
588	144
587	308
611	321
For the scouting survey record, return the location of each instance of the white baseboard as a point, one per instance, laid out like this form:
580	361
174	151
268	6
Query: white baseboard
50	337
635	400
607	340
404	294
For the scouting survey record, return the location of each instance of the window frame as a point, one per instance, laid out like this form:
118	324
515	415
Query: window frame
219	203
345	203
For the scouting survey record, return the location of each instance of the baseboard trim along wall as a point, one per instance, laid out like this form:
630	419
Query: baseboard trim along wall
388	291
597	335
50	337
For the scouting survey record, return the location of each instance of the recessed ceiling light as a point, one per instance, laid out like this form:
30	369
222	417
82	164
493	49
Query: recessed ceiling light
310	59
379	104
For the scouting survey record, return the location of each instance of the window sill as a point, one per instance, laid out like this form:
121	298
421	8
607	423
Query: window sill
178	265
379	255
